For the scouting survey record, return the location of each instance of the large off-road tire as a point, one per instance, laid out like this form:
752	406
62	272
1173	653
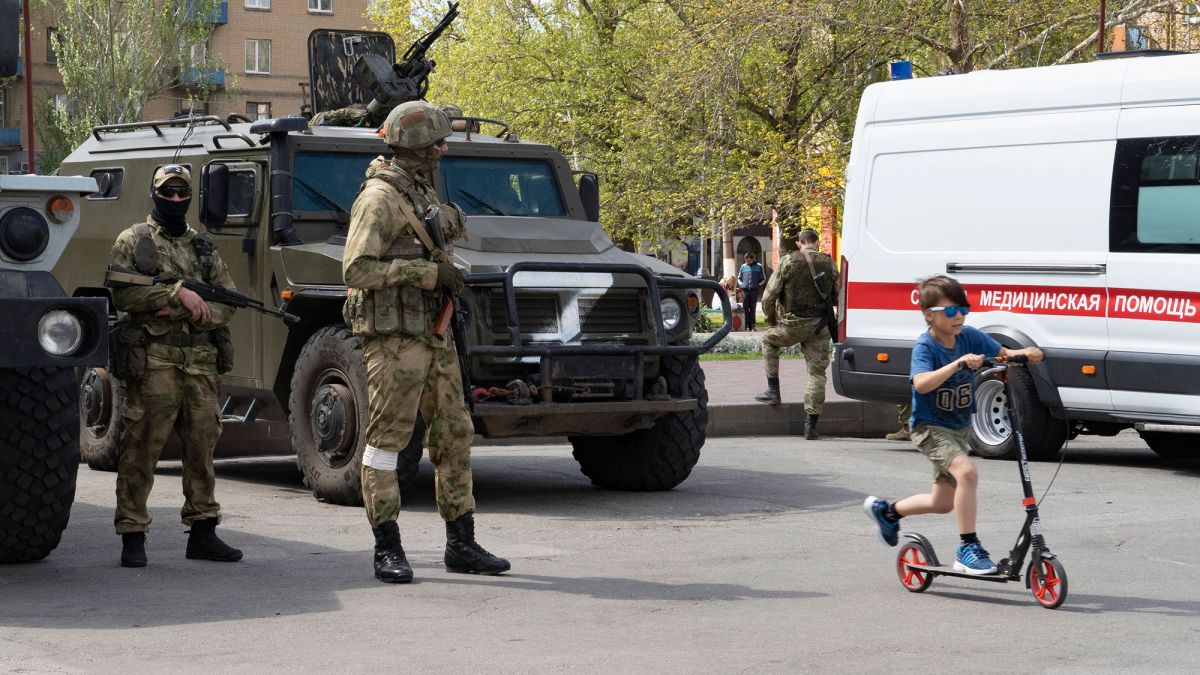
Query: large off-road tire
39	459
101	400
658	458
991	427
1172	446
328	419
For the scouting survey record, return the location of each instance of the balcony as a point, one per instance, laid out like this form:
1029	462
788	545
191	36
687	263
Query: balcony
10	136
219	16
198	77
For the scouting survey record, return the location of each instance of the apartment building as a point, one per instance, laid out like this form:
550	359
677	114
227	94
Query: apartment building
261	46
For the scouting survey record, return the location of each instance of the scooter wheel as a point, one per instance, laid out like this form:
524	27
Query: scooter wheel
913	553
1048	580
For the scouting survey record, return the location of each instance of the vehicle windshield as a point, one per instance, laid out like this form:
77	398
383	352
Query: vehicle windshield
328	181
502	187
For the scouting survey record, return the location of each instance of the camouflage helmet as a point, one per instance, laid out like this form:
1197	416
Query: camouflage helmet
415	124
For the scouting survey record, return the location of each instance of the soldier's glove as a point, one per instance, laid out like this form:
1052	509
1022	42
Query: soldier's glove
450	277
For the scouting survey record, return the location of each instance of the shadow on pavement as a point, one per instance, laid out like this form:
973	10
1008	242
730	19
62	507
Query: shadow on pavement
82	585
615	588
1076	603
552	486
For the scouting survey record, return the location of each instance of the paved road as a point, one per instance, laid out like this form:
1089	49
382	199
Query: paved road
760	562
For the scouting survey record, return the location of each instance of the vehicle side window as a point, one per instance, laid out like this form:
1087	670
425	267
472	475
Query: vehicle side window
109	182
1156	195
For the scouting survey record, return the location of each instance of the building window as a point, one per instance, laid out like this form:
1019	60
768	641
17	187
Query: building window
258	4
51	57
63	103
3	107
258	56
195	108
258	111
3	165
323	6
198	55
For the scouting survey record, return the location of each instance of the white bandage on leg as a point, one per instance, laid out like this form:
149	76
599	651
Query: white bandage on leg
380	459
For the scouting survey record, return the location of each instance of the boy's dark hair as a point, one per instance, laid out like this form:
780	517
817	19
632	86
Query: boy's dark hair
933	289
809	236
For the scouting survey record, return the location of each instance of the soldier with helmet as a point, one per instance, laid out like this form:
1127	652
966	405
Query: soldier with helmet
170	351
798	305
394	292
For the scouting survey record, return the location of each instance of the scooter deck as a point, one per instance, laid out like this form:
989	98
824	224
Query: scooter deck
949	571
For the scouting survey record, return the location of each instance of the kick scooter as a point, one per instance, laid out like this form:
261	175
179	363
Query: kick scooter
917	563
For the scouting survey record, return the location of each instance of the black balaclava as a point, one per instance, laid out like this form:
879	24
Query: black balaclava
171	215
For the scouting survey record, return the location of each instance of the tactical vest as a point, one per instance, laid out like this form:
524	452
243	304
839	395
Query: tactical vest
801	297
406	310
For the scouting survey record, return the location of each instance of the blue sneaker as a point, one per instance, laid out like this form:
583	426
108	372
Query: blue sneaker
973	559
888	531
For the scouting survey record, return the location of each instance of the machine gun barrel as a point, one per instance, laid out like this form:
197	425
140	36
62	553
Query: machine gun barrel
121	277
418	48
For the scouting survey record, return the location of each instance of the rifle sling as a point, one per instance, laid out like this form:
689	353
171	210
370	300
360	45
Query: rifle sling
418	227
812	272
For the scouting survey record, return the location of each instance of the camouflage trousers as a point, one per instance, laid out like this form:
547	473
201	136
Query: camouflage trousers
790	331
166	399
406	377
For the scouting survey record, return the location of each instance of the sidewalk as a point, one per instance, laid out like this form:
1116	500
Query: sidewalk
732	386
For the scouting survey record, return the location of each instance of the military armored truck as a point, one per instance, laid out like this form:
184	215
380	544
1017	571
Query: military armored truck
565	335
559	333
45	336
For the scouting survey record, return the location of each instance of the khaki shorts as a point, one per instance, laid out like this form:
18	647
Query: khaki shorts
941	445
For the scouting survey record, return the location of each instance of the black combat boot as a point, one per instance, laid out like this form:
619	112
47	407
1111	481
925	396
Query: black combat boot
133	549
204	544
391	566
810	428
464	555
771	395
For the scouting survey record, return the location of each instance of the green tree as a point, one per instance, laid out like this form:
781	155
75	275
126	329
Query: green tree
114	56
703	112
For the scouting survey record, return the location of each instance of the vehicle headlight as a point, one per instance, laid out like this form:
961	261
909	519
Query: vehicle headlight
671	312
24	234
60	333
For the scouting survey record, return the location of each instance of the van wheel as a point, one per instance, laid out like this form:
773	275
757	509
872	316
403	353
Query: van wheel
1170	446
101	400
39	459
658	458
328	418
991	429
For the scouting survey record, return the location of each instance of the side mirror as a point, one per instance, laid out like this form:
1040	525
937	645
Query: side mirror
214	194
589	193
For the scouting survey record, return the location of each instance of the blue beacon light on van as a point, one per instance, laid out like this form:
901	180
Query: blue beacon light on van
901	70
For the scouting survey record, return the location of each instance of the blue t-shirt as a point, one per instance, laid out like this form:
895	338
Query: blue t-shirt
951	404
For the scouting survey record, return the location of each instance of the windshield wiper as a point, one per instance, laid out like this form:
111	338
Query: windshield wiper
324	197
480	201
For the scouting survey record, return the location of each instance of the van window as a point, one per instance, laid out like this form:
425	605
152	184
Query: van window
1156	195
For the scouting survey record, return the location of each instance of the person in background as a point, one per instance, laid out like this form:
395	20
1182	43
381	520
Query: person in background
750	279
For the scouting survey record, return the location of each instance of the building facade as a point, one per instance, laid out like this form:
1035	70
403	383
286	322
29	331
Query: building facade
261	46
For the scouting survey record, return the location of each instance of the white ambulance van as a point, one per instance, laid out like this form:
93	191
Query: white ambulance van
1066	200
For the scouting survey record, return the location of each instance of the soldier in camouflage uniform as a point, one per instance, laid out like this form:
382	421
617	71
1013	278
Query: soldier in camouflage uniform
796	311
394	294
175	385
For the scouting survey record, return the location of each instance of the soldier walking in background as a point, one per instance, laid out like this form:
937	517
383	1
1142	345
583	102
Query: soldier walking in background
798	305
171	349
394	294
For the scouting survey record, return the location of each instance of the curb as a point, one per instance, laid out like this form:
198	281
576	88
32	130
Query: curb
848	419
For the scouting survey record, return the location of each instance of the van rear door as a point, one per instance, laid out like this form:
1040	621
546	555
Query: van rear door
1154	248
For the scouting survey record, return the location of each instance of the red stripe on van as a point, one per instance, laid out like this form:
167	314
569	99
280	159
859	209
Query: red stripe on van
1118	303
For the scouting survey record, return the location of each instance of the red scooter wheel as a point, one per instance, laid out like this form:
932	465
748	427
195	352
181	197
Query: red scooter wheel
1048	580
913	553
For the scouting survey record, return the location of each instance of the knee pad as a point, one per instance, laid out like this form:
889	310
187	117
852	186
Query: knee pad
380	459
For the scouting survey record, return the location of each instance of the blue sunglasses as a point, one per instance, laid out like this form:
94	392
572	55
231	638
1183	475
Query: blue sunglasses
952	311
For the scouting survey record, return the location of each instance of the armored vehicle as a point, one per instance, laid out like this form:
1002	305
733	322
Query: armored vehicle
560	332
46	336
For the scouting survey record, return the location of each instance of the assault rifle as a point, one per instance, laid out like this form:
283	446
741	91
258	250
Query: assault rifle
123	277
452	315
394	83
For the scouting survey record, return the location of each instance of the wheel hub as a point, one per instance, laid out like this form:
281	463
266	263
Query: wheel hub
991	420
332	406
94	397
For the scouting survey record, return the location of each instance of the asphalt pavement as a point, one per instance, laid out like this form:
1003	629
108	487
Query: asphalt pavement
762	561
